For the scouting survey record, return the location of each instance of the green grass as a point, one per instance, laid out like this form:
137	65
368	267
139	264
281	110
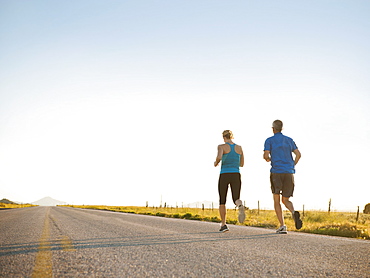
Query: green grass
317	222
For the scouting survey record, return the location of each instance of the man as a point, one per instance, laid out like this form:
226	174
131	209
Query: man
278	149
232	158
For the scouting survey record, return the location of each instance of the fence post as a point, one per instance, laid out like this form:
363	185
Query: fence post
329	205
258	212
358	213
303	211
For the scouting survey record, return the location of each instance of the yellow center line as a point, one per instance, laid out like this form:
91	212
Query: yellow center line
64	240
44	264
67	244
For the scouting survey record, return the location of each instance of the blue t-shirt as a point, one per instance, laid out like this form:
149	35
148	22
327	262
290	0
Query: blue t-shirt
281	148
230	161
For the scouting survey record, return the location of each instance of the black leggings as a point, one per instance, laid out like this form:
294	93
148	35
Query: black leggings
223	184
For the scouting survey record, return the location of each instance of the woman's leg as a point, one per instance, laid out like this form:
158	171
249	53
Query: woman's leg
235	185
223	184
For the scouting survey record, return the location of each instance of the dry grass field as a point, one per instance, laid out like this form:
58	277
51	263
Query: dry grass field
9	206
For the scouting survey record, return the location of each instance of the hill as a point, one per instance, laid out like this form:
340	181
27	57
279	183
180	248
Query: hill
6	201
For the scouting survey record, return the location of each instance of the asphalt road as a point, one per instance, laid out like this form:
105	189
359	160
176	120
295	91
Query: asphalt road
69	242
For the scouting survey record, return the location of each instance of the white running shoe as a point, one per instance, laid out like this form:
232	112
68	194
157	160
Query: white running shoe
282	230
241	214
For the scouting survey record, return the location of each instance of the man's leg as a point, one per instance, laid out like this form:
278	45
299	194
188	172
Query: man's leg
295	214
278	210
288	204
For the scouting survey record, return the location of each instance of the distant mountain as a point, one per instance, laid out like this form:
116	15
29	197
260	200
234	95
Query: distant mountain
48	201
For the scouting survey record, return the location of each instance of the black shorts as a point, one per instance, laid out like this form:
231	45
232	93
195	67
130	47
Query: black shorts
282	184
223	185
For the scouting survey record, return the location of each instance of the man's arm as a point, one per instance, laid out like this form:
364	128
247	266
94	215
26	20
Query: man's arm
266	156
297	156
219	155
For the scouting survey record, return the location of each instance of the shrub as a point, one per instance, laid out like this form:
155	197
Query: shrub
196	217
367	209
231	221
212	219
187	216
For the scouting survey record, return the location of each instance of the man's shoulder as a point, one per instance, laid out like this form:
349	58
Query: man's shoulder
287	137
278	137
270	138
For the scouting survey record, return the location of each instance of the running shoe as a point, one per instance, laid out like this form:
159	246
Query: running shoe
297	220
241	214
224	228
282	230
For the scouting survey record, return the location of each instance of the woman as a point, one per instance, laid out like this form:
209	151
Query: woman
232	158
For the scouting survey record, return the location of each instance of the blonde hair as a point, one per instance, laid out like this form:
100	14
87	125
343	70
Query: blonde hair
228	134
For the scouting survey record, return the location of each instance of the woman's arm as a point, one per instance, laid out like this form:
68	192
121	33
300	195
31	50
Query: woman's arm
220	152
241	158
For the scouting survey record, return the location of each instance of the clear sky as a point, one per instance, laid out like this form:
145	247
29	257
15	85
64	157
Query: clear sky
123	102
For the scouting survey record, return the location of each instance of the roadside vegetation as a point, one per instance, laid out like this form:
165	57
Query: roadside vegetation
9	206
343	224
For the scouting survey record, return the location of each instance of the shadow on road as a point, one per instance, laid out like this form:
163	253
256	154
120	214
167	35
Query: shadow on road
165	239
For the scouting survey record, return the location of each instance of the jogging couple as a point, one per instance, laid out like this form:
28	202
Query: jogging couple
278	150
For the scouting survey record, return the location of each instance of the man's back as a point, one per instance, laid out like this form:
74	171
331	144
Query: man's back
281	148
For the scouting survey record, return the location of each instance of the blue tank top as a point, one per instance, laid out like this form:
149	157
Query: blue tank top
230	161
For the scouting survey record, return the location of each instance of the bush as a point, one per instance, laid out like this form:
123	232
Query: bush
187	216
196	217
212	219
367	209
